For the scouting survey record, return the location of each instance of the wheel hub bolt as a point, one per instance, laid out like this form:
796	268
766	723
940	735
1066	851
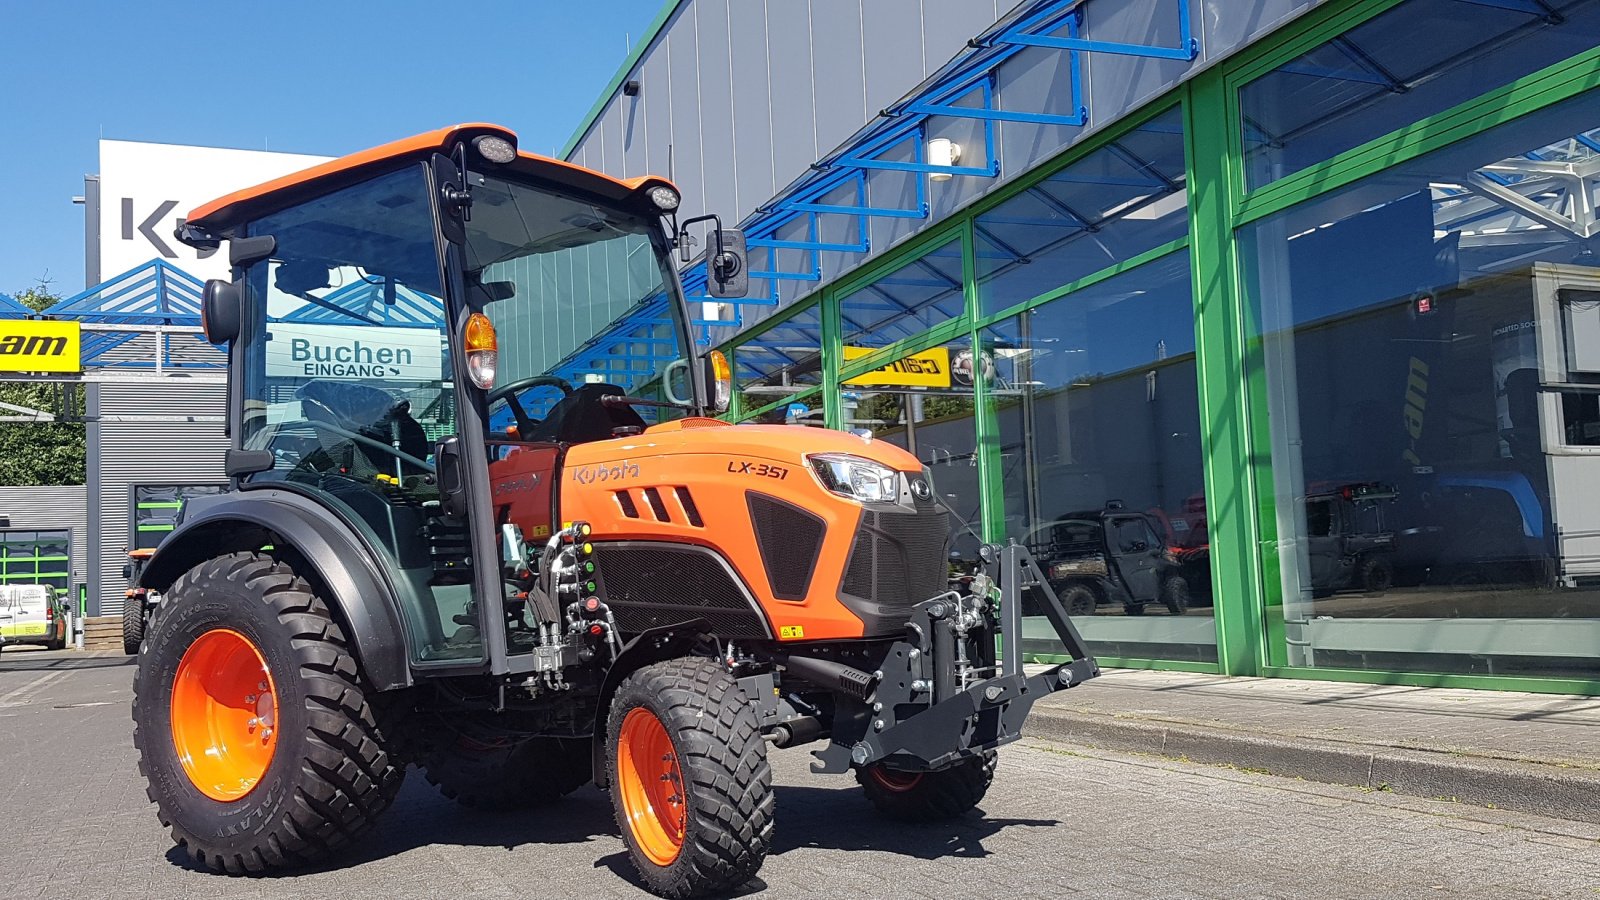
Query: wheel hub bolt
250	698
252	724
265	734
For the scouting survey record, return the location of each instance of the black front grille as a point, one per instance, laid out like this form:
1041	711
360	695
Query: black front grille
897	561
790	539
648	585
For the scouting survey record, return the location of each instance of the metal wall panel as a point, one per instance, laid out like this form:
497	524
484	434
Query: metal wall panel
836	67
148	452
752	104
717	164
682	47
653	129
791	91
51	509
893	61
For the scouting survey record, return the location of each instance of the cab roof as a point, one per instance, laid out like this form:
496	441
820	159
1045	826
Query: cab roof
224	213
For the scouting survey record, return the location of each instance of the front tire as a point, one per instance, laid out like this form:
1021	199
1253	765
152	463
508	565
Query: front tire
133	622
260	748
928	796
689	779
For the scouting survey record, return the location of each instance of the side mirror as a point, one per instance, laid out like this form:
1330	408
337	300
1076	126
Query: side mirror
727	264
219	311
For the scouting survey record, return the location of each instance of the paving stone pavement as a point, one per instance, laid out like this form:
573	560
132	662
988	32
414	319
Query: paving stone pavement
1061	821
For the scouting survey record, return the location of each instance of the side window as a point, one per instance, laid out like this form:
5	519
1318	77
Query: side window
1319	518
347	383
1132	535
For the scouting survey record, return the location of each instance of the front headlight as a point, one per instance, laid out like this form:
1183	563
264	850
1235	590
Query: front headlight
856	478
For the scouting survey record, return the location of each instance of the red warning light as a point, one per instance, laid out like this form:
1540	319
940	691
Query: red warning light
1424	304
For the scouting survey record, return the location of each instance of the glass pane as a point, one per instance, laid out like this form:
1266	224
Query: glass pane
347	381
906	302
1101	462
783	360
923	403
579	294
1113	204
1416	60
1432	358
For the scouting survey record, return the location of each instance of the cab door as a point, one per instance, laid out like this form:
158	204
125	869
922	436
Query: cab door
1136	554
348	380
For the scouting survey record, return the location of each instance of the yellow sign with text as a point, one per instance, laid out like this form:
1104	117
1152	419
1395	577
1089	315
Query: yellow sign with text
925	368
34	345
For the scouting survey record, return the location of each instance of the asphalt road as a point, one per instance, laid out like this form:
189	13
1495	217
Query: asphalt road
1060	821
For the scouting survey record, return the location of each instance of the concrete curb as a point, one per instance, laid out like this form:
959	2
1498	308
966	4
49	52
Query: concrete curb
1543	789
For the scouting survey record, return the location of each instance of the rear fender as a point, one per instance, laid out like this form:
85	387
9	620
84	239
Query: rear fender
654	645
339	563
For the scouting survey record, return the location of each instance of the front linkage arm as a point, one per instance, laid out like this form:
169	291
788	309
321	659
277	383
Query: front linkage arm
941	696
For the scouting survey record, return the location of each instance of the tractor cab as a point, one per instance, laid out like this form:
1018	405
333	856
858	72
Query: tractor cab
395	314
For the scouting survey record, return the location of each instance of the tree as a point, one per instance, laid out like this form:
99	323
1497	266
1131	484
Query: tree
41	453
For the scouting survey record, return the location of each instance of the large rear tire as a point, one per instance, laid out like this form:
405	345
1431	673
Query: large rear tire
260	748
521	775
928	796
689	778
133	621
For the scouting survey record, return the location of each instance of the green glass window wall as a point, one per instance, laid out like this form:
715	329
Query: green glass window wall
1338	381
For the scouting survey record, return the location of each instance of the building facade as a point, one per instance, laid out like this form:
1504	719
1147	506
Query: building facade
1272	327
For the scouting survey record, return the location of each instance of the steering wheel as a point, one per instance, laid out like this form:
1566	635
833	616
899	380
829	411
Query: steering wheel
509	393
397	453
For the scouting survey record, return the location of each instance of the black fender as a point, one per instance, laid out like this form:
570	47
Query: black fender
653	645
341	566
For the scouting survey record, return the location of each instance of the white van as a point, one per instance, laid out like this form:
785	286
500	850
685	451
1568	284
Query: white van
31	614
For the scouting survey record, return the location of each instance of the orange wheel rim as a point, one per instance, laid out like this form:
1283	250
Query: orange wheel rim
224	715
652	787
890	780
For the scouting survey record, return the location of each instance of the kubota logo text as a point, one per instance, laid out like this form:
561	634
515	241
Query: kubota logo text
605	472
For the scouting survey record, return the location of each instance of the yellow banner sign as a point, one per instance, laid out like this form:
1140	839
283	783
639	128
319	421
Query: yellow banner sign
925	368
35	345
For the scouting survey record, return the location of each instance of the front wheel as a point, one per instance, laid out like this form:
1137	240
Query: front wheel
260	748
928	796
133	621
689	779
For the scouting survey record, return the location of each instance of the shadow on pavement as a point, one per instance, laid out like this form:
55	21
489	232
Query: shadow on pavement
808	817
421	817
842	819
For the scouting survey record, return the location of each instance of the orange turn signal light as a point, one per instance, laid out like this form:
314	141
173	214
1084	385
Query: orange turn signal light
483	350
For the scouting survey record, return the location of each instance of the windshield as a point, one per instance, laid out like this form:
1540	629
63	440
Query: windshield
575	291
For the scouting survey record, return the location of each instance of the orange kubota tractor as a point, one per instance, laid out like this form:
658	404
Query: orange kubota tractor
480	522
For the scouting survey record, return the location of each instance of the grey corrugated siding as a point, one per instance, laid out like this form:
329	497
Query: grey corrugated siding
51	509
739	97
149	453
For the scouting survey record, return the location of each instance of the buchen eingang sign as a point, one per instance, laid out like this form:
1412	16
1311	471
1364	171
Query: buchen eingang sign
354	352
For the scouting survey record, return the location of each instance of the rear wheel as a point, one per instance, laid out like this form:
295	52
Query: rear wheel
259	746
928	796
1376	575
133	621
689	779
1175	594
1077	600
486	774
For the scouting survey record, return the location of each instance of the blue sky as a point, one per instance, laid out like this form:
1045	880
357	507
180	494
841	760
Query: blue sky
326	77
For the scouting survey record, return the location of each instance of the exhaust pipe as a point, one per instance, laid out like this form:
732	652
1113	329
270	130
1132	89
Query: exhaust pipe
834	676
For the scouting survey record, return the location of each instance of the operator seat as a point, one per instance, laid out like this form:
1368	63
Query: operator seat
368	411
582	416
